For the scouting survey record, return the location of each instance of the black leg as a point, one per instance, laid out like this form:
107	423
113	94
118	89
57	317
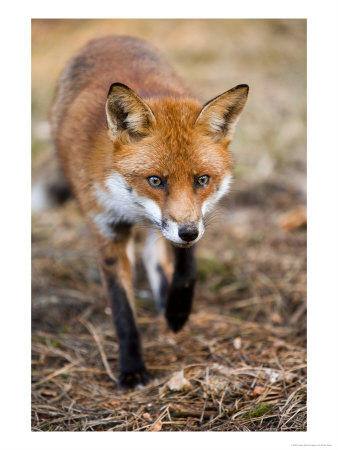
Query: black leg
117	277
181	291
132	368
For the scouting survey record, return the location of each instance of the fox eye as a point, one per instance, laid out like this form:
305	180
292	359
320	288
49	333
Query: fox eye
155	181
203	180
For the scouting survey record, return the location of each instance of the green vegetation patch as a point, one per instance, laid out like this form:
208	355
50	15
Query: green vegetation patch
209	267
50	342
260	411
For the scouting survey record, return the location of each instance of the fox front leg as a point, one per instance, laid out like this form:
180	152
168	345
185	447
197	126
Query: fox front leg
117	276
181	290
158	267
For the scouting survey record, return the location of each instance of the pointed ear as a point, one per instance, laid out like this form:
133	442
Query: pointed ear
125	110
219	116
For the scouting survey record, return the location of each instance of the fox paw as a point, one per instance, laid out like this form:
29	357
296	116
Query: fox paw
176	320
133	380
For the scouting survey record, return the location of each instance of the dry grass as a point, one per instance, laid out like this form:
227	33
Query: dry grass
243	350
241	359
229	389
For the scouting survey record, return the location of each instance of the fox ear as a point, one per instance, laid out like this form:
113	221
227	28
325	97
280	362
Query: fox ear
125	110
219	116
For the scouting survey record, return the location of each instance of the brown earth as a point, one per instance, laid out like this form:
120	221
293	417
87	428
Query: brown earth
240	362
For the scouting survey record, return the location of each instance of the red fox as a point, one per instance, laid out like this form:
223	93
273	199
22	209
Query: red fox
136	146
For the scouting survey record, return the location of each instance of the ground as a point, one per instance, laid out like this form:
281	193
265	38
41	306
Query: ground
240	362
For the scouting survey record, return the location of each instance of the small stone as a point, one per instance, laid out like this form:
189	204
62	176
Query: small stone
237	343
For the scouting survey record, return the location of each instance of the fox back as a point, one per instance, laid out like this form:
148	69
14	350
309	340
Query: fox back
137	146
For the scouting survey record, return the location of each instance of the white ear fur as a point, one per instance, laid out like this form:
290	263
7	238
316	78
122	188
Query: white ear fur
220	115
125	110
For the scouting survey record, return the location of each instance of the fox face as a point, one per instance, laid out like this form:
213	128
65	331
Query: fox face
170	161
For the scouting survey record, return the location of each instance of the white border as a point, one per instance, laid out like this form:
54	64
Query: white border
322	230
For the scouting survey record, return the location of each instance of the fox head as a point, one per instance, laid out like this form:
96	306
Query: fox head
170	156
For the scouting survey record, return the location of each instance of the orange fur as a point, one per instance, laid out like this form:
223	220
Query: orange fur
111	139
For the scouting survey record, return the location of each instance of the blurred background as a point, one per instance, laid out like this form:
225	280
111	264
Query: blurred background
252	260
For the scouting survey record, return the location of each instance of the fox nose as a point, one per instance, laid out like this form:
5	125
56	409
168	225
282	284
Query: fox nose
188	233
